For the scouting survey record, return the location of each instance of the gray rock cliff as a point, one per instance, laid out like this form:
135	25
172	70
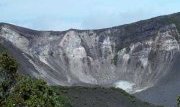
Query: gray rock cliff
139	54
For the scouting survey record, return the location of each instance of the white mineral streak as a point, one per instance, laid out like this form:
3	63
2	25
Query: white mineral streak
71	43
85	57
16	39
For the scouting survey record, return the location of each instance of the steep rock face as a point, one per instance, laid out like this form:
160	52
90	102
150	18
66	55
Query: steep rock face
139	54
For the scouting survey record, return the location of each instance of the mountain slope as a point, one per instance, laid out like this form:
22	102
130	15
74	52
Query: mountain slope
165	92
100	97
134	57
27	91
139	53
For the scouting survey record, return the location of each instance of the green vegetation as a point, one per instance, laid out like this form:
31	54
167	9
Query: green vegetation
178	101
8	64
23	91
100	97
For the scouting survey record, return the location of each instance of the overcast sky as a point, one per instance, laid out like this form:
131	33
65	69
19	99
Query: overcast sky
82	14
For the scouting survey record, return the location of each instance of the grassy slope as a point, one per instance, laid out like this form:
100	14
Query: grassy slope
100	97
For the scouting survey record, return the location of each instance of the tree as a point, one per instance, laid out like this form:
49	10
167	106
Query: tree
35	93
8	63
8	71
8	68
19	91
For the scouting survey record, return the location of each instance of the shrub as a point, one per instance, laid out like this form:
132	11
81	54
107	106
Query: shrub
20	91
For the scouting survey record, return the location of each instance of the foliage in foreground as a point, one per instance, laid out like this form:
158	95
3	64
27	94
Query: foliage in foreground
20	91
178	101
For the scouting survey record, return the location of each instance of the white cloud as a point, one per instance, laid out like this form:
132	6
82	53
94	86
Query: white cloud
82	14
